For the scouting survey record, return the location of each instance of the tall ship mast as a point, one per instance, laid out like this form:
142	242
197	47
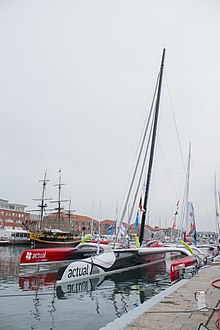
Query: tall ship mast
43	204
59	202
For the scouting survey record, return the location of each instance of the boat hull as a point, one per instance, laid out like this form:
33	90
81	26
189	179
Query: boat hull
108	262
4	242
53	239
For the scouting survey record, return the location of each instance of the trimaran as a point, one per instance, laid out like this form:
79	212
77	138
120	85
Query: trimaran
91	261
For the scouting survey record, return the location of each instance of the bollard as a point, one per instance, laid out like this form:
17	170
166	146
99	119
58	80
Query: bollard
200	298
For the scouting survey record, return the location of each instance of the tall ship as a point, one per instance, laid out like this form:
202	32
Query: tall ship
53	236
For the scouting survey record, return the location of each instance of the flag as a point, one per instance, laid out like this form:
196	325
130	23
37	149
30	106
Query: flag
140	205
176	213
136	221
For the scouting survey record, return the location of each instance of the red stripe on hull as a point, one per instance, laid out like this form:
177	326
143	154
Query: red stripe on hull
46	255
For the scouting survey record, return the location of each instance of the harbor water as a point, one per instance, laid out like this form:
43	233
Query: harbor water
29	298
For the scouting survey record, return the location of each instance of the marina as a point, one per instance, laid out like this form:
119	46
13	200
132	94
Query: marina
119	301
109	97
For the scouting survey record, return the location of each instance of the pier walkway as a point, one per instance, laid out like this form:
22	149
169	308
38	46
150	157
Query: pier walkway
176	308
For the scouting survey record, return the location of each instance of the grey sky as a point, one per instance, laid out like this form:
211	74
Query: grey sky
76	81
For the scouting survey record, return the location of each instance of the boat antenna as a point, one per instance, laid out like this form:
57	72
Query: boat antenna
150	164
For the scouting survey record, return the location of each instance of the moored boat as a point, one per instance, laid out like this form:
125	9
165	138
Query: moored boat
52	236
4	241
15	237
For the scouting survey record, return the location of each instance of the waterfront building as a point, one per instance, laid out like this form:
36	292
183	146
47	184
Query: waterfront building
13	216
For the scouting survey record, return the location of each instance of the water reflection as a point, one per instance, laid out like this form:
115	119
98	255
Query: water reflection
142	282
37	282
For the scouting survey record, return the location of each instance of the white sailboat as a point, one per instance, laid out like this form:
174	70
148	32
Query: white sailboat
188	224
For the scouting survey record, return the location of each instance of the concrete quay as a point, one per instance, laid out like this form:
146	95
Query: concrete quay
176	308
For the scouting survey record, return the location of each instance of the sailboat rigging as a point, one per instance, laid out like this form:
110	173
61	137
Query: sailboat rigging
148	139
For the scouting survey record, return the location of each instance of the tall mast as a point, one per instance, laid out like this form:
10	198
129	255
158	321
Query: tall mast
59	207
216	209
184	221
150	164
42	205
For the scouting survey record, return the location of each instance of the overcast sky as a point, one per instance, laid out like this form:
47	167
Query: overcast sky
76	82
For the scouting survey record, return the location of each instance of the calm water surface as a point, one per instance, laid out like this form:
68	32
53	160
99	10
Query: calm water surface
31	301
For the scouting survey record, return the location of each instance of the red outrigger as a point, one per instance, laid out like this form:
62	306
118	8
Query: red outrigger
189	264
56	255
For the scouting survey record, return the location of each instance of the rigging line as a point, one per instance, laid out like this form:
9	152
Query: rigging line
140	177
142	137
144	117
138	160
175	123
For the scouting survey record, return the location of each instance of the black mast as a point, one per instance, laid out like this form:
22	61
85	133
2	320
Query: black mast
150	164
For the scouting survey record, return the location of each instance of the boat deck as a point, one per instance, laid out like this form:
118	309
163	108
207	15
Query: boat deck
177	308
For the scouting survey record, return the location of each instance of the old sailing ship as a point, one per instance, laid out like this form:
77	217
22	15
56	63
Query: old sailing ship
53	236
